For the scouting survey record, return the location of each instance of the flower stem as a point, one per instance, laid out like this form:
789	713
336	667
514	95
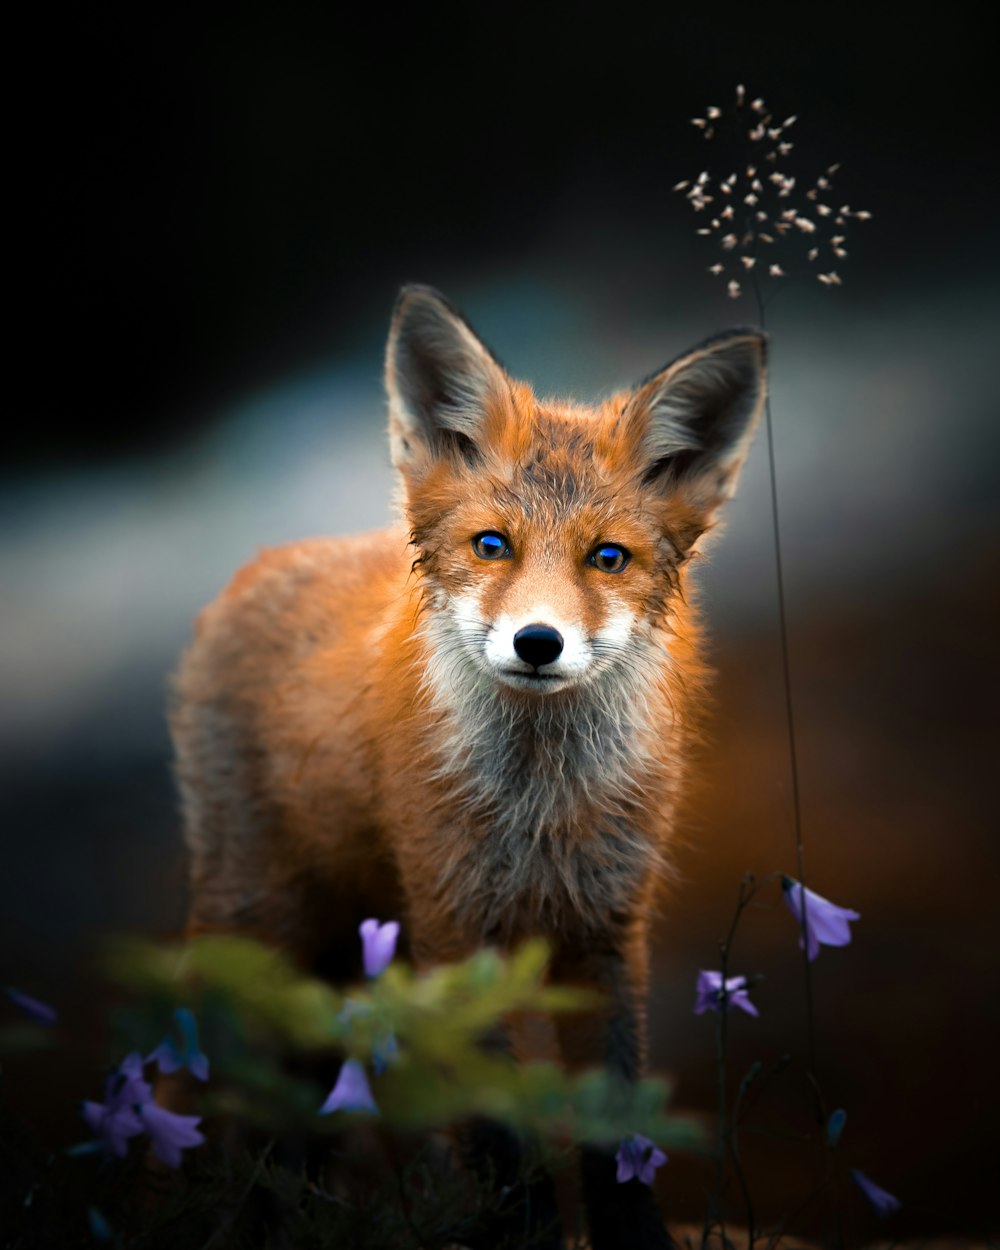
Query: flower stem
790	721
727	1128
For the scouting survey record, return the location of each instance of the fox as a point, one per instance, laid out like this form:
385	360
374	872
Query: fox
479	719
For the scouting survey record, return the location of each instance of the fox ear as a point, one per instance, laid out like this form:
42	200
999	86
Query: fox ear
697	416
439	377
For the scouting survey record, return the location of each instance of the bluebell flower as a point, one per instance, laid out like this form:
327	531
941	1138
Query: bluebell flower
709	994
881	1202
351	1092
638	1158
169	1056
826	923
33	1007
378	943
112	1124
115	1120
169	1132
128	1110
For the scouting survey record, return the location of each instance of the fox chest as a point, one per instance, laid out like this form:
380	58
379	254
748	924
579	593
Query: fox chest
542	841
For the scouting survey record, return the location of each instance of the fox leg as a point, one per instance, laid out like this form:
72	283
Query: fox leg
525	1215
523	1212
620	1216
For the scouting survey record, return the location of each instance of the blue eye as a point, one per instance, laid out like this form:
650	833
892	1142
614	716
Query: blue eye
610	558
490	546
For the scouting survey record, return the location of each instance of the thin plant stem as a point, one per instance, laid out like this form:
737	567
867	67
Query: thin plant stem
726	1127
226	1224
734	1146
721	1040
783	1225
790	721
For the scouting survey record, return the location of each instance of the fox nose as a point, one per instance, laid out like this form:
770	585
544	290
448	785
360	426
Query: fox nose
538	644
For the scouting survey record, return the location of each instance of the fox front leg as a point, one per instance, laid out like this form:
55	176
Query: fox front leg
620	1216
520	1209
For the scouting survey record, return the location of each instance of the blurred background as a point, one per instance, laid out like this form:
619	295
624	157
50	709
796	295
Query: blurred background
214	213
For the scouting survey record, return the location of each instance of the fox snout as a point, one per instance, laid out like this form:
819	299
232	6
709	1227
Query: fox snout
538	645
541	651
535	656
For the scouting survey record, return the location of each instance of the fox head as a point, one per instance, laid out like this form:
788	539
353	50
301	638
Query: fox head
552	537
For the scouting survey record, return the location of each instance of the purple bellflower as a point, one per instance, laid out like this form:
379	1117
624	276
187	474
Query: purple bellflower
169	1132
113	1125
33	1007
169	1056
351	1092
638	1158
128	1110
881	1203
378	945
709	994
826	923
115	1120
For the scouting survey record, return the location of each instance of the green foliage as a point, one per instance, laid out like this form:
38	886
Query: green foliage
269	1028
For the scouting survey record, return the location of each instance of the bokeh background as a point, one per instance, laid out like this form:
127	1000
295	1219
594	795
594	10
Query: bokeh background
215	209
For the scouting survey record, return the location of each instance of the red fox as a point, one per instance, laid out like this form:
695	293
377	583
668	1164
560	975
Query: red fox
476	721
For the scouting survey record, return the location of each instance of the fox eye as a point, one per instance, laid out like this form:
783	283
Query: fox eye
490	546
610	558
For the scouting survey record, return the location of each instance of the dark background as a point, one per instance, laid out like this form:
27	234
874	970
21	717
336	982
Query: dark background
213	212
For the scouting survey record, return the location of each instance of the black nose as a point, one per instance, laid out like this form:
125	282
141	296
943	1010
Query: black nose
538	644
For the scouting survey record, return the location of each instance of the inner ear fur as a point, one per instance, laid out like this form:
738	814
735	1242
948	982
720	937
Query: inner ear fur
440	378
695	418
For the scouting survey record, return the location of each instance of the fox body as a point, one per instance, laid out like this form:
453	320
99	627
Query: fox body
476	722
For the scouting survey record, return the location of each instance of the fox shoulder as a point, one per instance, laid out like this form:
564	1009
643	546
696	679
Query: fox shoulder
292	599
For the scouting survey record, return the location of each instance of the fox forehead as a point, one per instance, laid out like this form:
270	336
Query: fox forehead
564	446
540	462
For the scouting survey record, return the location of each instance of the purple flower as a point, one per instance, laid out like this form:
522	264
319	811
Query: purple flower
33	1007
128	1085
128	1109
709	994
114	1125
169	1132
881	1203
351	1092
638	1158
379	945
826	923
170	1057
115	1120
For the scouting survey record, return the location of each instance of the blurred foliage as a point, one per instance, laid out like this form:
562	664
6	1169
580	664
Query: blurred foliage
268	1028
275	1172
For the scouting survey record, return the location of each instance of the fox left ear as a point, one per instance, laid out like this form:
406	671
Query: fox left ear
695	419
440	378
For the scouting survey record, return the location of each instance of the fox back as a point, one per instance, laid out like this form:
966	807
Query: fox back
476	721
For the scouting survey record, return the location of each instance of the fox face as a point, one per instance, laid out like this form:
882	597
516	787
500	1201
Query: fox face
542	578
552	536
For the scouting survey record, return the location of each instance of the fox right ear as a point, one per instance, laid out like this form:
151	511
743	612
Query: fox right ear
439	377
696	417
